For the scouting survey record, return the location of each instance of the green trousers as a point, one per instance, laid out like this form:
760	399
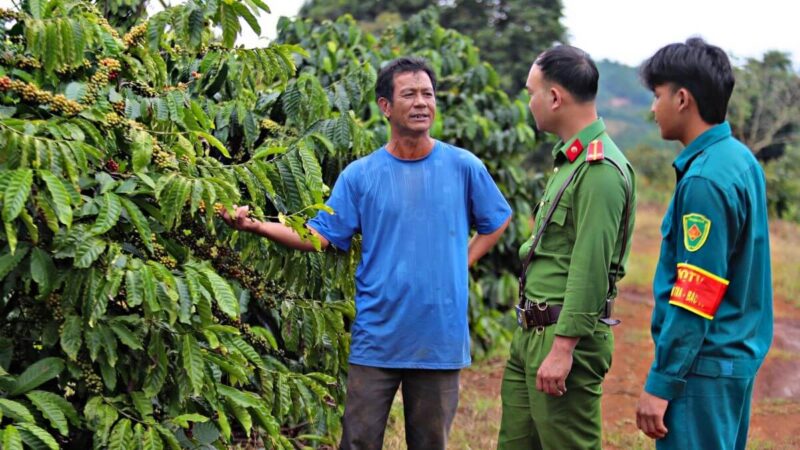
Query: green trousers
535	420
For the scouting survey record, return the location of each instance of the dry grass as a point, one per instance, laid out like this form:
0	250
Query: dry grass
785	250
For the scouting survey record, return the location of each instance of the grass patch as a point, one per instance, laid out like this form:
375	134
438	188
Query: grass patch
616	438
785	251
776	406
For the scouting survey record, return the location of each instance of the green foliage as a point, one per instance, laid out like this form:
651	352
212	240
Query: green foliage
765	114
783	182
765	106
509	33
129	316
473	112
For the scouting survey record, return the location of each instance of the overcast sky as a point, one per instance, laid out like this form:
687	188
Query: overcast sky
629	31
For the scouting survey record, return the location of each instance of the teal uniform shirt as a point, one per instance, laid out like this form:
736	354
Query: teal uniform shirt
712	287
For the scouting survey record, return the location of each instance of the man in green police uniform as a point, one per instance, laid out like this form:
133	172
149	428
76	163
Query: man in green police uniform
552	383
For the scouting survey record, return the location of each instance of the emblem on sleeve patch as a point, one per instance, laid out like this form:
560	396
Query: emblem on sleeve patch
696	228
697	290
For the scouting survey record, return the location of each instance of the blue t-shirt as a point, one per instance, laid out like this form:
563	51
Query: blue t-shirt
412	283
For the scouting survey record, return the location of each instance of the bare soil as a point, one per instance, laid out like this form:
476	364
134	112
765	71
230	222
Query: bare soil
775	420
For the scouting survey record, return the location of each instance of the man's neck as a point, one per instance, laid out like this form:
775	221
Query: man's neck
693	130
577	119
410	147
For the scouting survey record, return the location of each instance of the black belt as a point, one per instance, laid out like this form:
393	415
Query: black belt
540	315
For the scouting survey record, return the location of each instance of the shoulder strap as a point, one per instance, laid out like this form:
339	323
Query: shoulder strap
626	213
539	233
549	216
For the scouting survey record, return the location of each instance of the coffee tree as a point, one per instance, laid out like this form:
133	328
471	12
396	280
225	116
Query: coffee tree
131	316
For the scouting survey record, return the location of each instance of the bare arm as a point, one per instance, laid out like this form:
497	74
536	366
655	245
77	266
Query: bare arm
273	231
481	243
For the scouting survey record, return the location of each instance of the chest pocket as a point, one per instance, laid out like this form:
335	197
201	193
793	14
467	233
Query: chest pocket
559	234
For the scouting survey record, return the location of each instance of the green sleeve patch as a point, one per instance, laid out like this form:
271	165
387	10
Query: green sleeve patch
696	228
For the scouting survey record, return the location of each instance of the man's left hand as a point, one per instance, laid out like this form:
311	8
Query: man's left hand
551	378
650	415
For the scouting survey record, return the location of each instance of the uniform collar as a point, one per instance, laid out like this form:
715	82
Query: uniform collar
699	144
584	137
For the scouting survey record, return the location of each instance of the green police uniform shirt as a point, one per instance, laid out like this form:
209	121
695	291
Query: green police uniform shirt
712	288
583	240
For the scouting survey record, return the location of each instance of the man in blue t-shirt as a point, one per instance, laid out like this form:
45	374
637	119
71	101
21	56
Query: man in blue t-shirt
414	202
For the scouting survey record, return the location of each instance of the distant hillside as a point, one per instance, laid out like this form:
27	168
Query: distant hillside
624	104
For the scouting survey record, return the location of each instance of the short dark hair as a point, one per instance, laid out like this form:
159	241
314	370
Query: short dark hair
385	85
703	69
572	68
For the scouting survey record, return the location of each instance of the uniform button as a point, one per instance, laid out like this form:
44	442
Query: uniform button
541	203
555	170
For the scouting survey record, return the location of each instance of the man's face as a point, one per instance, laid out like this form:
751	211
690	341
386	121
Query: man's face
413	105
666	109
539	92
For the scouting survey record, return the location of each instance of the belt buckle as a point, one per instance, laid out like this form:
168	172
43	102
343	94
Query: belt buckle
522	319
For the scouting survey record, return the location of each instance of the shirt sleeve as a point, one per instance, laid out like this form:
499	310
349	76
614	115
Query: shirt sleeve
703	224
488	209
338	228
598	203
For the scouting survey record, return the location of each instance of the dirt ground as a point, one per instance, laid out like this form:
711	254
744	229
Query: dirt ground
775	422
775	418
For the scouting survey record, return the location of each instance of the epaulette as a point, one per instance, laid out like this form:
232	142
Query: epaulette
595	151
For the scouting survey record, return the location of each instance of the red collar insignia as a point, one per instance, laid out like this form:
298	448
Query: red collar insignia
574	150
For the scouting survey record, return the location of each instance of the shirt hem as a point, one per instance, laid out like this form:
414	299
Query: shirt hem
409	365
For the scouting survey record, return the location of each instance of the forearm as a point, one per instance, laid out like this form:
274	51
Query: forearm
480	244
564	344
284	235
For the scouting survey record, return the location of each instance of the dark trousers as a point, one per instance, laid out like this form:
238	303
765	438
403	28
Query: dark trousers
430	398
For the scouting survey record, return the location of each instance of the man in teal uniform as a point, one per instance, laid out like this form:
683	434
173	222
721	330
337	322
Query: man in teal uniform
552	383
712	321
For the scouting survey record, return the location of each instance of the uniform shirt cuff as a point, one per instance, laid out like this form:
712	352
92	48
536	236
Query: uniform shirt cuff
576	324
663	386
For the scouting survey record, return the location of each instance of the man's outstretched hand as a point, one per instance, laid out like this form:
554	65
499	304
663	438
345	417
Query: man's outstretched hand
241	220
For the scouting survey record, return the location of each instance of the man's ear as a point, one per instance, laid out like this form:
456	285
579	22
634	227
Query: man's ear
556	97
385	105
684	98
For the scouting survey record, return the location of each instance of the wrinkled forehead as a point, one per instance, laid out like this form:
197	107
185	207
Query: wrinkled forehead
412	80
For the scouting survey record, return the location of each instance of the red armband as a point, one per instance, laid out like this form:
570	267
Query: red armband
698	291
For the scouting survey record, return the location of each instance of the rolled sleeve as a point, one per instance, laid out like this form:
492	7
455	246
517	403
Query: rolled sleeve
664	386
